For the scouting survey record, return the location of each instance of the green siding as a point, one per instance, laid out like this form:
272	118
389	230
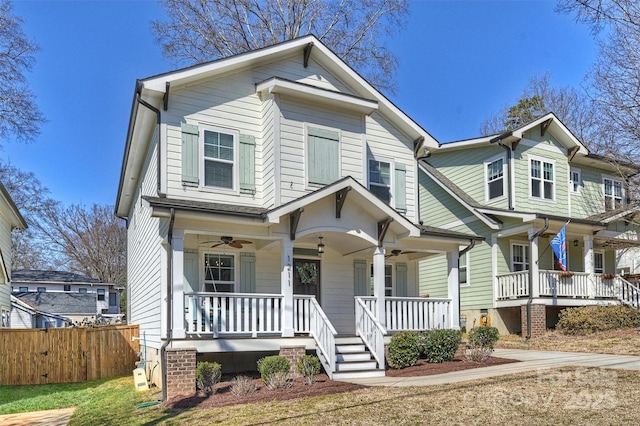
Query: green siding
438	207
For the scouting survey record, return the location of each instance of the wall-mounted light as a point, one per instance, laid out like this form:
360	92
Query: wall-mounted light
320	246
575	243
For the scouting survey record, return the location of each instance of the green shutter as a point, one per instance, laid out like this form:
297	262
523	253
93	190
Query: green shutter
401	280
247	164
191	269
360	278
247	273
400	190
323	151
189	155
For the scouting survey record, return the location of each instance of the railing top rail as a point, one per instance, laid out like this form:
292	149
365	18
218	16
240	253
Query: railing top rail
324	317
365	297
426	299
225	294
370	315
303	296
508	274
630	284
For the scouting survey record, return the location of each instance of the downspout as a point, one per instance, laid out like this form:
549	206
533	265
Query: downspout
499	139
158	122
460	254
163	360
536	235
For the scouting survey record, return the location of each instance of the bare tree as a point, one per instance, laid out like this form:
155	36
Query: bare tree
19	114
202	30
92	241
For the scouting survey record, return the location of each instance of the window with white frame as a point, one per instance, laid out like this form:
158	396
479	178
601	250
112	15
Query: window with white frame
613	193
24	289
101	294
219	272
380	179
575	181
598	262
463	269
82	290
219	157
542	181
495	179
388	280
519	257
113	299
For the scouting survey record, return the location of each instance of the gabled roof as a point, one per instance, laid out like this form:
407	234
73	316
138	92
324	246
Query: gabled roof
10	211
33	310
61	303
151	91
53	277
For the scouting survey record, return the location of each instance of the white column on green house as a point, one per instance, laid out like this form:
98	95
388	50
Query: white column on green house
286	285
453	288
379	285
589	265
177	246
534	275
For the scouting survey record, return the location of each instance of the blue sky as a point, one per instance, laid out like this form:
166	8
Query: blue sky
459	61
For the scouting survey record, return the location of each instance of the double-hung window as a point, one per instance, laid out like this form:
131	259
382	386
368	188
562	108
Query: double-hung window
495	179
463	269
598	262
101	294
380	179
388	280
575	181
519	257
219	157
542	179
613	193
219	272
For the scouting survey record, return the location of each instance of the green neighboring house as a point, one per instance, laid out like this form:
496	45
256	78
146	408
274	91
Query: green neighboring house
517	190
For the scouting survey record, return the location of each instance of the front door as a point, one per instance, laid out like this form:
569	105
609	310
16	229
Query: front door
306	277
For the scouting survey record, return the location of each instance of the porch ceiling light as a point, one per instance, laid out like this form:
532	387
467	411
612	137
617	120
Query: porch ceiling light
320	246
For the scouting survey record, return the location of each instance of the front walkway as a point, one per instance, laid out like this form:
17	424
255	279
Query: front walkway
531	361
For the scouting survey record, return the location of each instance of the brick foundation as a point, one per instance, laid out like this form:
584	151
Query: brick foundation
538	320
181	372
293	354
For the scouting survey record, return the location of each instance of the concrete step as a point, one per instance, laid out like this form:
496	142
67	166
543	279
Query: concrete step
343	375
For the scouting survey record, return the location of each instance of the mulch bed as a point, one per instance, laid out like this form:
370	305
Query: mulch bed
323	386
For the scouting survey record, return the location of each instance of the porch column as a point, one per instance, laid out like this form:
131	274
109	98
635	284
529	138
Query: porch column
453	259
177	246
589	266
286	287
378	285
534	274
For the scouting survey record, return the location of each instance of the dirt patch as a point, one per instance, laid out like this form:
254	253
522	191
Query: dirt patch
323	386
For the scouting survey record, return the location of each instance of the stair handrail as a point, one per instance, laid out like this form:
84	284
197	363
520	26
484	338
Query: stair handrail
324	334
370	331
629	294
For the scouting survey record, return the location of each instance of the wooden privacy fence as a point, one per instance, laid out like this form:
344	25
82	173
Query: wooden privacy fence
67	355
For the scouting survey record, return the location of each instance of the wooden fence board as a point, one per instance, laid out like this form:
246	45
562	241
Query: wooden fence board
67	355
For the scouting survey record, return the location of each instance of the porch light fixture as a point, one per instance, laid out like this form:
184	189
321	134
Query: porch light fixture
320	246
575	243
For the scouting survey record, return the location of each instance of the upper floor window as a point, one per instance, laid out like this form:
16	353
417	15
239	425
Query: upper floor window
495	179
380	179
219	272
67	287
613	193
542	179
463	269
101	294
219	159
575	181
519	257
24	289
323	156
82	290
42	289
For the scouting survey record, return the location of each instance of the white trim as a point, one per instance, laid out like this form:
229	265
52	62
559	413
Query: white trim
201	273
527	261
468	267
162	146
613	197
277	152
463	221
604	261
392	172
486	164
202	128
391	266
542	161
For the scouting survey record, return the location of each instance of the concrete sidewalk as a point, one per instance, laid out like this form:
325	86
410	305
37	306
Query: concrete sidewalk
531	361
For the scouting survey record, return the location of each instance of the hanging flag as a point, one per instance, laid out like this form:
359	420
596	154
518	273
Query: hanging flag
559	247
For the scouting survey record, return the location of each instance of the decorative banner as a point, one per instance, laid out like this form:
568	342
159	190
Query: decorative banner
559	247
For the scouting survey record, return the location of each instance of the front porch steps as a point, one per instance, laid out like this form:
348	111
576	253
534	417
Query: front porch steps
353	359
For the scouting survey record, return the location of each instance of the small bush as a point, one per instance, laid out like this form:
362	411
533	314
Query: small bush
403	349
208	374
441	345
308	367
484	337
478	353
278	381
270	365
592	319
243	385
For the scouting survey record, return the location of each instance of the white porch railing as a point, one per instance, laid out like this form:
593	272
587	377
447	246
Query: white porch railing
247	314
629	293
412	313
310	318
370	330
513	285
553	283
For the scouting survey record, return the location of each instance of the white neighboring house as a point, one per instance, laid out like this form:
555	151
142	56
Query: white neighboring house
25	315
106	295
271	200
10	219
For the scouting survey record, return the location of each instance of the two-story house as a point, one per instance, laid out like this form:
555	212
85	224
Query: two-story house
518	190
271	199
10	219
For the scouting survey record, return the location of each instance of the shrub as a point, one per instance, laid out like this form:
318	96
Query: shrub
478	353
592	319
484	337
403	349
441	345
308	367
278	381
270	365
243	385
208	374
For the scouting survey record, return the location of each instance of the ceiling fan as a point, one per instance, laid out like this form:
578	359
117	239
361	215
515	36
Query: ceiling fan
397	252
229	241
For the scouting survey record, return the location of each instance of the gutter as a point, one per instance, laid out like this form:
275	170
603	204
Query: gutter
536	235
158	122
499	139
163	359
